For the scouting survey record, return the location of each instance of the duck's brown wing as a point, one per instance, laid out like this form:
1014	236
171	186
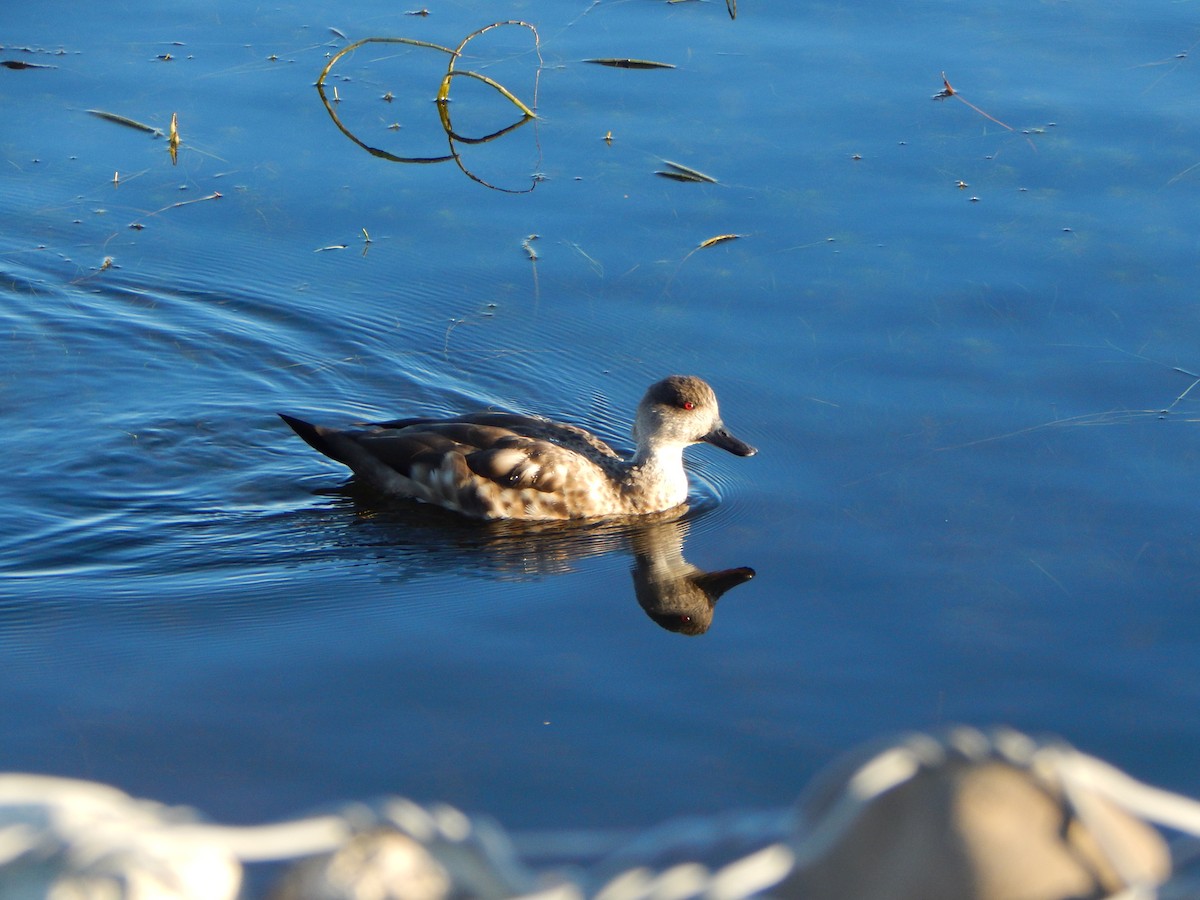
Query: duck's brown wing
484	446
570	437
491	451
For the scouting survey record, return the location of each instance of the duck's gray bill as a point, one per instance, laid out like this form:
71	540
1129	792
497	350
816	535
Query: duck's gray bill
719	437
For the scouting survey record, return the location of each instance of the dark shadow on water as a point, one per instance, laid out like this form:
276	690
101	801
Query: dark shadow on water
420	540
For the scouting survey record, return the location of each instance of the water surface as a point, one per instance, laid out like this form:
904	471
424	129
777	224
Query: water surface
964	346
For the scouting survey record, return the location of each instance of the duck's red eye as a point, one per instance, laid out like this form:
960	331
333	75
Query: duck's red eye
688	404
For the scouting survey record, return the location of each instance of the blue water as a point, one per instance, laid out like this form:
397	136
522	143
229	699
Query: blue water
972	500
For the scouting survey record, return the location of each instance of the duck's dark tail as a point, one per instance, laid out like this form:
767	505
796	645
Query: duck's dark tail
316	437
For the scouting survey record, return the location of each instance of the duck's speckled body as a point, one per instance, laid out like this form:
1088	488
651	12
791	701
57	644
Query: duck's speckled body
507	466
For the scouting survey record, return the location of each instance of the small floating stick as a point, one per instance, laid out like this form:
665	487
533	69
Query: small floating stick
709	242
17	64
624	63
173	139
684	173
713	241
948	91
443	93
215	195
412	42
127	122
442	98
703	245
1186	392
444	90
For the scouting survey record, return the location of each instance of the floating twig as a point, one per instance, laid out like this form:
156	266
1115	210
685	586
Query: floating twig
681	172
443	99
444	89
1190	168
703	245
94	271
126	121
719	239
1186	392
18	64
215	195
597	266
173	139
624	63
730	5
412	42
948	91
443	95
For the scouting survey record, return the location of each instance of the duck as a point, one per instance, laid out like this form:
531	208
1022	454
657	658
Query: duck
502	465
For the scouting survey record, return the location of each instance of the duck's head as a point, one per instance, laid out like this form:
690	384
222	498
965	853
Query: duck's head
682	410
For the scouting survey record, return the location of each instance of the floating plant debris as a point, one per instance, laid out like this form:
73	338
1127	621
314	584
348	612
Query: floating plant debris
442	98
126	121
948	91
624	63
215	195
680	172
719	239
173	139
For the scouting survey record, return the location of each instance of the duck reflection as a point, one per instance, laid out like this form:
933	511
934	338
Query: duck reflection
674	593
419	539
